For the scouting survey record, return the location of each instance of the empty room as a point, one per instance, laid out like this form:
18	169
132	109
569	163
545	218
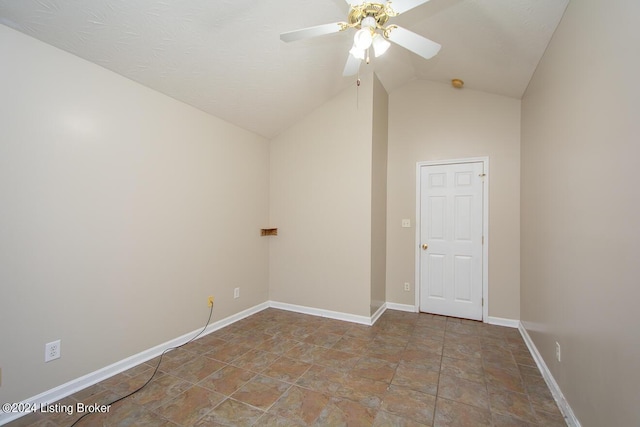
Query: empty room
327	213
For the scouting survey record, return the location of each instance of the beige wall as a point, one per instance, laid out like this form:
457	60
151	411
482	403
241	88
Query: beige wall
379	195
320	201
433	121
581	210
121	211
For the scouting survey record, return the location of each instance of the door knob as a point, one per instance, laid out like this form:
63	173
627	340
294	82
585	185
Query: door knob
425	246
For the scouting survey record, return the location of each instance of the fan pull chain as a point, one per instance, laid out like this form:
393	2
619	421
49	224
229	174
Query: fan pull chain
358	91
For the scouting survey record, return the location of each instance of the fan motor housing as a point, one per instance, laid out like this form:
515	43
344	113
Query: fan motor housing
375	10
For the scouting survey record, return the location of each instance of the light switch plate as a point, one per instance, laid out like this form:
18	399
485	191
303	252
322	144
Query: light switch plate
406	223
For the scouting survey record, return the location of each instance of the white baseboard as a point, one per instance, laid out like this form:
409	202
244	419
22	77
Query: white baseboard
378	313
73	386
354	318
500	321
566	410
402	307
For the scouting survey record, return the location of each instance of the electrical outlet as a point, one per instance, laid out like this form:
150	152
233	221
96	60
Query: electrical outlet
210	301
558	354
407	286
236	293
52	351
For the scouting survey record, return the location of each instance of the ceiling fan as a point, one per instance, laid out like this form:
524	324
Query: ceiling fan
370	18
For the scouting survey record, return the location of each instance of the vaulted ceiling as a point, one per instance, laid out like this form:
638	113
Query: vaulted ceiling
225	57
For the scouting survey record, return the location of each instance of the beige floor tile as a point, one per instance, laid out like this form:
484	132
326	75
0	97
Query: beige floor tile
385	419
375	369
300	405
513	404
287	370
190	406
450	413
411	404
231	413
463	391
261	392
344	412
279	368
227	380
423	380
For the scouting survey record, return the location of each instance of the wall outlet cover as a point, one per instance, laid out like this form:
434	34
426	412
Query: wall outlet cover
52	351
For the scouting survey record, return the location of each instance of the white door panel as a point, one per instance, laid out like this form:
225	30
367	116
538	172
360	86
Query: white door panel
451	224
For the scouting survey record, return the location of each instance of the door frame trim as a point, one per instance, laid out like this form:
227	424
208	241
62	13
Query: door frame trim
485	227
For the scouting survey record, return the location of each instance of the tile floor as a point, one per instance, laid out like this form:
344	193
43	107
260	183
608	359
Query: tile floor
277	368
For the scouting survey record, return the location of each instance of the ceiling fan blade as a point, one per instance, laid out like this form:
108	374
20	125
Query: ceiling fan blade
352	66
412	41
318	30
401	6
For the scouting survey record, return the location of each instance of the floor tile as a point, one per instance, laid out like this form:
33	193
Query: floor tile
277	345
261	392
322	339
514	404
198	369
423	380
189	406
280	368
255	360
502	378
391	354
410	404
323	379
336	359
541	398
468	369
227	380
375	369
344	412
287	370
450	413
421	359
351	345
385	419
300	405
363	390
501	420
231	413
554	419
462	329
159	391
273	420
304	352
459	350
174	359
463	391
228	352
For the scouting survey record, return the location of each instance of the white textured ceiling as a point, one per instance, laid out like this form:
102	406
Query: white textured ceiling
225	56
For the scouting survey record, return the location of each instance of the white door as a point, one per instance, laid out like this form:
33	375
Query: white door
451	224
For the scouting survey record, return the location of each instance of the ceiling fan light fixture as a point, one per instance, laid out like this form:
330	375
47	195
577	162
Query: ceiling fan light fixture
380	45
357	53
363	39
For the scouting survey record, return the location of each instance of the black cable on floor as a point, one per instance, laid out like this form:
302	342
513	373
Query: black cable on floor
155	370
